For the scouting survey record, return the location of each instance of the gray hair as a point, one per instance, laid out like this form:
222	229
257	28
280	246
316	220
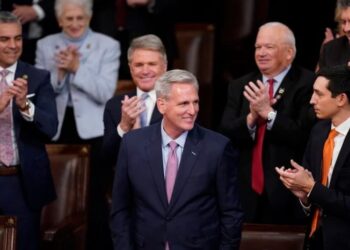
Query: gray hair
288	35
8	17
341	5
86	5
147	42
171	77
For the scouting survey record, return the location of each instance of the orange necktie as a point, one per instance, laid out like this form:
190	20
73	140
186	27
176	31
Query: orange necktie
257	158
327	161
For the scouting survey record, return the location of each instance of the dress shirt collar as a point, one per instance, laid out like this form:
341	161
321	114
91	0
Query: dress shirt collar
152	94
343	128
278	78
166	138
12	70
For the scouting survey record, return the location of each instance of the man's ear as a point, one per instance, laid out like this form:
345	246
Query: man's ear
342	99
161	105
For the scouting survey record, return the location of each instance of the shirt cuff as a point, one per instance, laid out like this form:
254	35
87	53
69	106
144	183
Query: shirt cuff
252	131
270	123
39	11
120	131
30	115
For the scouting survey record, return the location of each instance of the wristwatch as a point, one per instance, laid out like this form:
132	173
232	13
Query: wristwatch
26	107
271	116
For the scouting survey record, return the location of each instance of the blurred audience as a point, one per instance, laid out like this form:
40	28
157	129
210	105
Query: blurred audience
38	19
134	18
337	50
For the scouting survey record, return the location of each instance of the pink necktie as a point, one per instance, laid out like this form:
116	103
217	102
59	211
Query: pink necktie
171	169
6	145
170	175
257	154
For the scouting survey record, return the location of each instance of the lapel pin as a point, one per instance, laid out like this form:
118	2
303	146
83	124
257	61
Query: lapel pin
193	153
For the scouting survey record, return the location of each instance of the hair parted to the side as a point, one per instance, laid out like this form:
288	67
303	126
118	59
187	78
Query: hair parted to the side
171	77
147	42
8	17
339	79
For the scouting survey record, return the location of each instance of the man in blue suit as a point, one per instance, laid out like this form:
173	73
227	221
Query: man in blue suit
176	182
27	98
147	62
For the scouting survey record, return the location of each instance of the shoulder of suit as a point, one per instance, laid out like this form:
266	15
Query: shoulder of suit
30	69
337	42
210	135
49	38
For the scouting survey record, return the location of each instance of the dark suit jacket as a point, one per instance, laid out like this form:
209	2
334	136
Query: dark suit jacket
286	140
31	137
335	52
335	200
204	212
111	118
49	23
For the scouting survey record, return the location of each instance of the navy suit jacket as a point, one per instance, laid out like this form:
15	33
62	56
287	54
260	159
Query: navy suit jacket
286	140
335	200
204	211
111	119
31	137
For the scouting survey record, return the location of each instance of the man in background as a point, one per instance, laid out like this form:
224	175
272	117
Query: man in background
269	117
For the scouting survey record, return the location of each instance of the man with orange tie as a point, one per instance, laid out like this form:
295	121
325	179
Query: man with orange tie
323	182
175	187
268	117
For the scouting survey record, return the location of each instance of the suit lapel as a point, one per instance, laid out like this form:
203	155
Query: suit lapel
188	159
154	154
319	143
343	155
20	71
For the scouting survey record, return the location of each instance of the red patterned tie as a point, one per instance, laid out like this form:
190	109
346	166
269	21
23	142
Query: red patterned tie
257	158
6	145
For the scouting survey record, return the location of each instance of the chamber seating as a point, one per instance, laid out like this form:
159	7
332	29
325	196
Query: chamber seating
272	237
8	232
63	222
195	43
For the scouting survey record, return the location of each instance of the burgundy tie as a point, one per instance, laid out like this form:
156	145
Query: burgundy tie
121	10
257	158
6	145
